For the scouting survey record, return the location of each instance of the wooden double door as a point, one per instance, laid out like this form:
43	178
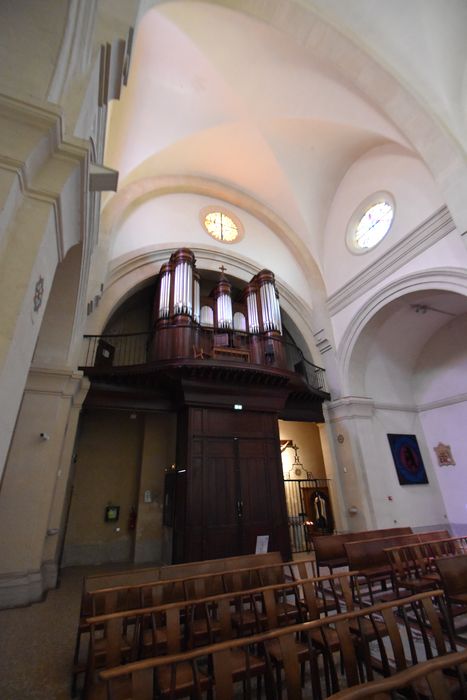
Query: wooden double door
233	489
241	498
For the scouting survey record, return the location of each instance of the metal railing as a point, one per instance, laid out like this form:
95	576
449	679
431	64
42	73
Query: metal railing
122	350
305	517
128	349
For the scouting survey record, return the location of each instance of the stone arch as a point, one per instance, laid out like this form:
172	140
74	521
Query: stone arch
55	343
443	279
134	193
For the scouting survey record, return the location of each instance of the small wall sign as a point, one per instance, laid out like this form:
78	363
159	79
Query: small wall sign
112	513
444	455
262	544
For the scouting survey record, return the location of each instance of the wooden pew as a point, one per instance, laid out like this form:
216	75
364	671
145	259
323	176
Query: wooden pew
330	550
217	658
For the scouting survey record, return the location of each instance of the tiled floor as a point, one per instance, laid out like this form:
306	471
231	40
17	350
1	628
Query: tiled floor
37	643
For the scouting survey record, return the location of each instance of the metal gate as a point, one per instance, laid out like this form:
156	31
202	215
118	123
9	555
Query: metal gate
309	511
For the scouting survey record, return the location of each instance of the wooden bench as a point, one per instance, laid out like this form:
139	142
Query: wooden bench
330	551
286	654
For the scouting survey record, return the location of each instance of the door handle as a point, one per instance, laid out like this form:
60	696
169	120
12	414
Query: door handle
239	509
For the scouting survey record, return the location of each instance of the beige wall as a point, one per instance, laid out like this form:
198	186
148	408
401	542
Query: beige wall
158	454
306	437
106	473
119	459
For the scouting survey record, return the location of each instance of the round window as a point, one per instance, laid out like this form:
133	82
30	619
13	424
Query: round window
223	226
370	222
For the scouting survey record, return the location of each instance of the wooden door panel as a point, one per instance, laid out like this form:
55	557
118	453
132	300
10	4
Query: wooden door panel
220	495
261	493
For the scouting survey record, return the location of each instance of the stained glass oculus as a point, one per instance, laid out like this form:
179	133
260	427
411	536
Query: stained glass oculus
370	224
220	226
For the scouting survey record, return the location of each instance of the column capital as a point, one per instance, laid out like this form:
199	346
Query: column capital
349	407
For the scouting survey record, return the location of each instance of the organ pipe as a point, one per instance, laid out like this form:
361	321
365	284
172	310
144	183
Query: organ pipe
268	302
224	311
183	283
196	298
164	293
252	308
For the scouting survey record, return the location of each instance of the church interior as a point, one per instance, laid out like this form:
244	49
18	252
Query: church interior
233	281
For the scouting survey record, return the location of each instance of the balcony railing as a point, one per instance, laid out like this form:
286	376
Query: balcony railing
130	349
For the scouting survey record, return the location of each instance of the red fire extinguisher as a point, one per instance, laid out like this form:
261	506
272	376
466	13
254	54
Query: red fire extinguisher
132	519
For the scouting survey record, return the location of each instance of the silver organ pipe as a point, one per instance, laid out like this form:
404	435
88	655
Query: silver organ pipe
277	312
196	301
164	297
271	315
253	322
177	290
183	292
265	308
207	316
189	289
224	311
239	321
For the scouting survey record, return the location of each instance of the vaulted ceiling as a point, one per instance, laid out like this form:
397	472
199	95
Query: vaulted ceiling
291	113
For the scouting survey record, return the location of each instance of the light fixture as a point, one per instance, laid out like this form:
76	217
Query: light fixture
423	308
238	407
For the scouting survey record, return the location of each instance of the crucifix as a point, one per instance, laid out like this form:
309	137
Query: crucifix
223	269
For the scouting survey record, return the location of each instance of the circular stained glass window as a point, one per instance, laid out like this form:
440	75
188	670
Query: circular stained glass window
221	225
370	223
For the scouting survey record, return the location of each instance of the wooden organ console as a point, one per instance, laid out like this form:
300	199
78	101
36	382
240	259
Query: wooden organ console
187	325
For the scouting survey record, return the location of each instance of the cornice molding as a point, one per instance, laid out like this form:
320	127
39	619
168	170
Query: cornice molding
409	408
61	382
349	407
442	403
432	230
44	172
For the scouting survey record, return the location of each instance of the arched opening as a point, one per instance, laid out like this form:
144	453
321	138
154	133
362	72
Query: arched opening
409	361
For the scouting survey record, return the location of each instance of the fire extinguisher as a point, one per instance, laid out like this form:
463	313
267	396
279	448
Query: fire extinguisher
132	519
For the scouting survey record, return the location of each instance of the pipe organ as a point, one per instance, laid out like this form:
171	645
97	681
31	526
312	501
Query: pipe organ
189	324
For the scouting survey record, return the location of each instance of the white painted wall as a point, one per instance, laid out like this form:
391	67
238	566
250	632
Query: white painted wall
390	168
441	390
176	218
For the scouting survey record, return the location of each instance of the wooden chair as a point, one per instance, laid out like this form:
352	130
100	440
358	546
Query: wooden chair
199	353
433	672
453	572
412	569
413	633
